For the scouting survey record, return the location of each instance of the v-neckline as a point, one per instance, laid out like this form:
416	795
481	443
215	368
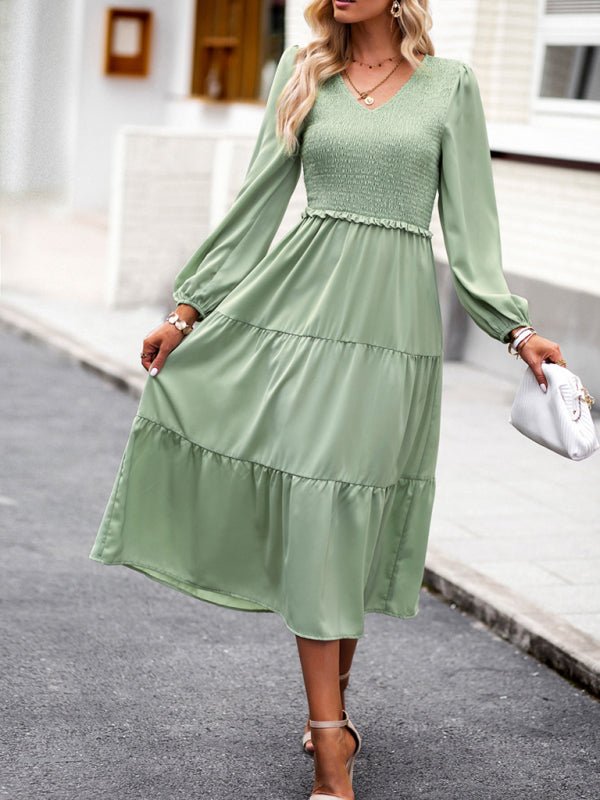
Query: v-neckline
345	87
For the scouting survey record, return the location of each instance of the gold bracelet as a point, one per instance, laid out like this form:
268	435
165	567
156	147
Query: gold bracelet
521	337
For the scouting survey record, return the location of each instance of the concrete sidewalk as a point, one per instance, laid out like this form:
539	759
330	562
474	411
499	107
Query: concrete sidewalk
515	537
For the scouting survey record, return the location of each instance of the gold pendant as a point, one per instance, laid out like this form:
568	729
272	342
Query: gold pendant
369	100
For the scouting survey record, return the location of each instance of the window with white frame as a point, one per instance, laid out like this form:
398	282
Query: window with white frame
571	71
568	69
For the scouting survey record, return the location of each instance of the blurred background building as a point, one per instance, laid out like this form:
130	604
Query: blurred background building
125	130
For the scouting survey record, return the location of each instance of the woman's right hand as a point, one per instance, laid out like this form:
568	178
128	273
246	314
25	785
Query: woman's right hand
157	345
164	339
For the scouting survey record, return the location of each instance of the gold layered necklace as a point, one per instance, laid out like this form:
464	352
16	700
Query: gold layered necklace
366	95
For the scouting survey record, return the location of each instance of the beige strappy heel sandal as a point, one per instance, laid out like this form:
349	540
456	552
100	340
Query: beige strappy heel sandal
307	736
338	723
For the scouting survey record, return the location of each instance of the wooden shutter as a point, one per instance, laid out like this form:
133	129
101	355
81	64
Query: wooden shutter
228	49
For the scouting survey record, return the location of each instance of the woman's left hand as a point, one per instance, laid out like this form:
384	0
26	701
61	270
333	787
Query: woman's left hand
535	351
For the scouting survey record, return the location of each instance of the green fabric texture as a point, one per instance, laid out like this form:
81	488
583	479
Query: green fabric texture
284	458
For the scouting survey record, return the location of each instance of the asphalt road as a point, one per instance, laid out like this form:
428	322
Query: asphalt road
114	686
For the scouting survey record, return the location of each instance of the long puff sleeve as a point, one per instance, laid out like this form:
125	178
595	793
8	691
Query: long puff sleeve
245	233
469	216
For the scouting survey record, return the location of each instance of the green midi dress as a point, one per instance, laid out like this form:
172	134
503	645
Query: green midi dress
284	458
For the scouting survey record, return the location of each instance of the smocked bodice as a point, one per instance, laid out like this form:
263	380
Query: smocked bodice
366	170
380	165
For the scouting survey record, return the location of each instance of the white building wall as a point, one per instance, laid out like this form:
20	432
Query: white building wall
60	113
34	96
296	29
4	76
103	103
503	55
454	28
497	38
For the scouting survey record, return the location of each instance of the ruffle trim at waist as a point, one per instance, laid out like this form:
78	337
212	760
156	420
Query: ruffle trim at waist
352	216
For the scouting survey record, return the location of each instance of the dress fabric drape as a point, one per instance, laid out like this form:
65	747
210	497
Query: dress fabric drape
284	458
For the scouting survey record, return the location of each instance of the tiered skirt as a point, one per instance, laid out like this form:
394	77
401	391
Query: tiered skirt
284	457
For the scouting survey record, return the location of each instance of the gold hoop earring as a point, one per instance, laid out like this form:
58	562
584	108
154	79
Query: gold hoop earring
395	10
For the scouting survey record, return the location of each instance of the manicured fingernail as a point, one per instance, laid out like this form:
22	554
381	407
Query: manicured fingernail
153	371
543	387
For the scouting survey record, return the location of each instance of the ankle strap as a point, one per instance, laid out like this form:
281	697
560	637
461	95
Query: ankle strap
328	723
345	675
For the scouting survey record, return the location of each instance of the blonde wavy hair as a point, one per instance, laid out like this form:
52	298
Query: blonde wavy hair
329	52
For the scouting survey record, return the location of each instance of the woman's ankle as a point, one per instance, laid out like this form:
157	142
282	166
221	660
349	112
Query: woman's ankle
328	740
332	751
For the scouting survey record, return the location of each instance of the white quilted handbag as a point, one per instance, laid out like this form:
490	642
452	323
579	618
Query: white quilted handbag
559	419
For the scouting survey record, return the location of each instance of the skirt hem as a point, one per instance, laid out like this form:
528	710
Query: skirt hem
187	587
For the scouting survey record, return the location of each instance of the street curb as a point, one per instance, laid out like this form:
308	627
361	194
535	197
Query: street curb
551	640
29	326
547	637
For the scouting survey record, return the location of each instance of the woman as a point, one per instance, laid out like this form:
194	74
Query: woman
283	455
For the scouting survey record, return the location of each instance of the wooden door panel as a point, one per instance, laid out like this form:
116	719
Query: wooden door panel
228	49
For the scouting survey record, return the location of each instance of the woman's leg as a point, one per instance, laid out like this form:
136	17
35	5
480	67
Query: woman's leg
320	662
347	648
